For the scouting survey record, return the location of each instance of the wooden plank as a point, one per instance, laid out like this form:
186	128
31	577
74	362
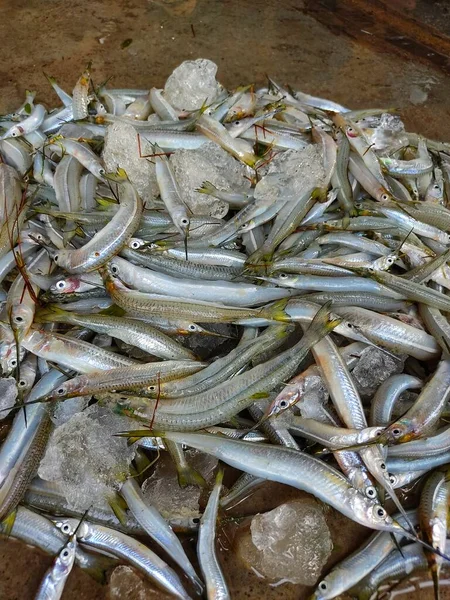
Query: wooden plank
373	23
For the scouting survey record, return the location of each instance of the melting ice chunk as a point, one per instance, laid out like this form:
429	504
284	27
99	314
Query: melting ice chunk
192	84
305	165
8	395
208	163
86	459
122	150
373	368
290	543
161	489
126	583
314	398
65	410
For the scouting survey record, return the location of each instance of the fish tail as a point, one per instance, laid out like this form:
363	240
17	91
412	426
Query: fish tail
51	313
118	506
207	188
187	475
276	312
435	568
8	522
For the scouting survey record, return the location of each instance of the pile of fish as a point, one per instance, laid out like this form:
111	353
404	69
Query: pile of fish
179	268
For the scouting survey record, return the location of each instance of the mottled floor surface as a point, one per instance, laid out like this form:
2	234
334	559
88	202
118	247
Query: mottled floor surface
247	39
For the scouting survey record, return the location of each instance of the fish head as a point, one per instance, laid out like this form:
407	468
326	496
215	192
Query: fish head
136	243
332	585
70	526
368	511
66	285
21	318
369	434
13	132
289	396
60	256
66	558
399	432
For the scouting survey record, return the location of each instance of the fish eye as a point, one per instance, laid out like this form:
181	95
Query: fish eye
380	512
14	133
60	285
18	319
283	404
65	554
152	388
56	257
382	466
192	327
323	585
102	171
396	432
378	433
392	479
60	391
135	245
385	197
283	276
196	520
185	221
13	362
236	122
114	269
371	492
22	383
65	528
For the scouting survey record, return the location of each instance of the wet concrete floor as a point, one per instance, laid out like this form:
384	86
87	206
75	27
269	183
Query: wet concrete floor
247	39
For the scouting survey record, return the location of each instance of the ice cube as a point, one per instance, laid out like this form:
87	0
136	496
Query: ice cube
305	165
313	402
290	173
373	368
126	583
192	84
122	150
389	135
392	123
85	458
65	410
161	489
208	163
8	395
289	544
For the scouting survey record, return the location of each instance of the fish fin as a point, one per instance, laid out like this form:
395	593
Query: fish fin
260	396
276	312
113	311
